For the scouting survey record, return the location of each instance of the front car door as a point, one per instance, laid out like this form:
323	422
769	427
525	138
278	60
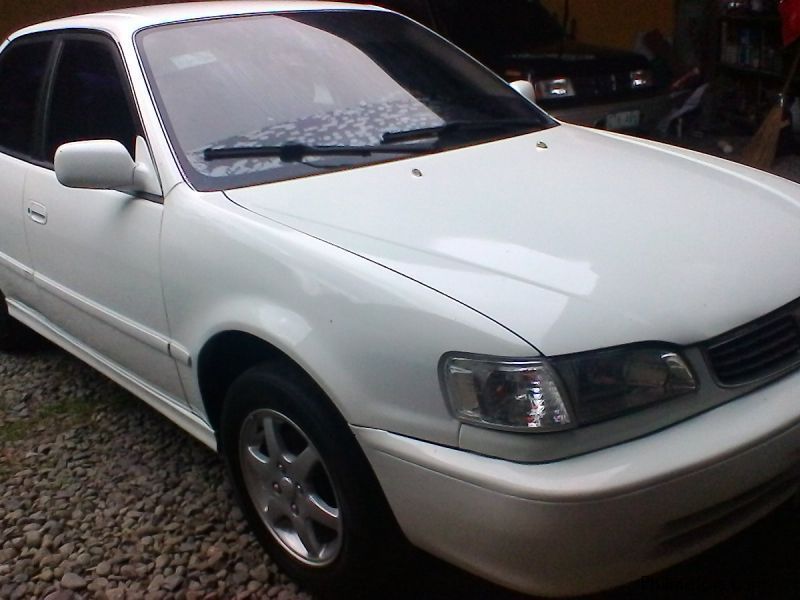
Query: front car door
95	252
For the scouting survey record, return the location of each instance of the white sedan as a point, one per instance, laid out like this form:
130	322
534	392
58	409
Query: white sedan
402	301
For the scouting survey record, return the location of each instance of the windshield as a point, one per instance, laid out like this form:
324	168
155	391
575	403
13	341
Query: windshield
325	80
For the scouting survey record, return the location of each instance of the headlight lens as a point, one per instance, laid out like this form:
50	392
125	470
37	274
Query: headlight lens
544	395
641	79
609	383
549	89
523	395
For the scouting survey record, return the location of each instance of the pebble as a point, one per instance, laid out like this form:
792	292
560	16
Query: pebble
72	581
103	569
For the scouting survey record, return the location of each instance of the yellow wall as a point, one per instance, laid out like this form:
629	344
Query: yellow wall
604	22
15	14
615	23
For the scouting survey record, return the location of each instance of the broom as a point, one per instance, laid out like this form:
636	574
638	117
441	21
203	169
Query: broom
760	151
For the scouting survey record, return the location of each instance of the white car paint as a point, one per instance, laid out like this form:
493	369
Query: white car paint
367	277
541	239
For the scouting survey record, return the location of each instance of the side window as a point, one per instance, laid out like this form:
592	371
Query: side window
88	100
22	69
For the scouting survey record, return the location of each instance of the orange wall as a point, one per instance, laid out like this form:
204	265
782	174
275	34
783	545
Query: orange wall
615	23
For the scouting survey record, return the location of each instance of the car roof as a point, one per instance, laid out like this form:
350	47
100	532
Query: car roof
124	22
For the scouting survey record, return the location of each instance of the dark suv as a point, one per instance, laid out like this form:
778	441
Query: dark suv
520	39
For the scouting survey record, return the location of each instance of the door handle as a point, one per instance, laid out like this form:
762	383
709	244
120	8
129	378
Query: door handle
37	213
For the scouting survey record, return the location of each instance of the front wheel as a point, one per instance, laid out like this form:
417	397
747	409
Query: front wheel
304	484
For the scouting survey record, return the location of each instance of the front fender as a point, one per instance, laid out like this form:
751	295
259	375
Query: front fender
371	338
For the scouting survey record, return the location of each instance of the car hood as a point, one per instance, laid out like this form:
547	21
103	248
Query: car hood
595	240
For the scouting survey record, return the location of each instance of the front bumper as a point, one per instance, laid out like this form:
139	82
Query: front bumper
602	519
652	110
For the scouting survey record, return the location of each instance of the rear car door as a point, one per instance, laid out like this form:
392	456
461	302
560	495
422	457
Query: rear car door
23	67
96	252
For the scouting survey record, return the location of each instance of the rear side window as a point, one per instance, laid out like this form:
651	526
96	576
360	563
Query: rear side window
89	99
22	70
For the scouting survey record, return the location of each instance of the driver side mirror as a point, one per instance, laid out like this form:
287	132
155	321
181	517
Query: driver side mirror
105	165
525	89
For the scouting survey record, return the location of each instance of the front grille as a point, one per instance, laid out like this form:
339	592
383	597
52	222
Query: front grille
756	352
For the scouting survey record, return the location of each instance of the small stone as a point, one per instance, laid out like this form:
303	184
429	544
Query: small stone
240	567
148	530
173	582
20	592
103	569
239	578
260	573
33	539
156	583
127	571
73	581
46	574
60	595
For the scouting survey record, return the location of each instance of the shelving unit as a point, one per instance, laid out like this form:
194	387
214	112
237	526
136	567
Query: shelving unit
751	45
751	59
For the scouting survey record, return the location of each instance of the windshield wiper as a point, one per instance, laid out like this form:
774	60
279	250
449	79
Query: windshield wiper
295	152
445	128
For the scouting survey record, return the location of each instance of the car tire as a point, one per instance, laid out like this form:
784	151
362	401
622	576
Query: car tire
14	335
305	486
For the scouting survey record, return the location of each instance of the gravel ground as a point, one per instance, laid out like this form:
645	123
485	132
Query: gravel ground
100	497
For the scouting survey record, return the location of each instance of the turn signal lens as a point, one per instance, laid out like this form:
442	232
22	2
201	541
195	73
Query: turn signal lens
523	396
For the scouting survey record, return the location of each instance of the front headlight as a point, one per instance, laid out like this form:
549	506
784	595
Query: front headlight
608	383
641	78
551	89
545	395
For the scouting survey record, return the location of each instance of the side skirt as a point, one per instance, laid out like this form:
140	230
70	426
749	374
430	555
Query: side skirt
167	406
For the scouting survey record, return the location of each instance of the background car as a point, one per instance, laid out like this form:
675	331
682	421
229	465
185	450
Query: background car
579	83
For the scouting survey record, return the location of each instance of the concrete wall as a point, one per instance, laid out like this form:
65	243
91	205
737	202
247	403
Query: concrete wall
615	23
